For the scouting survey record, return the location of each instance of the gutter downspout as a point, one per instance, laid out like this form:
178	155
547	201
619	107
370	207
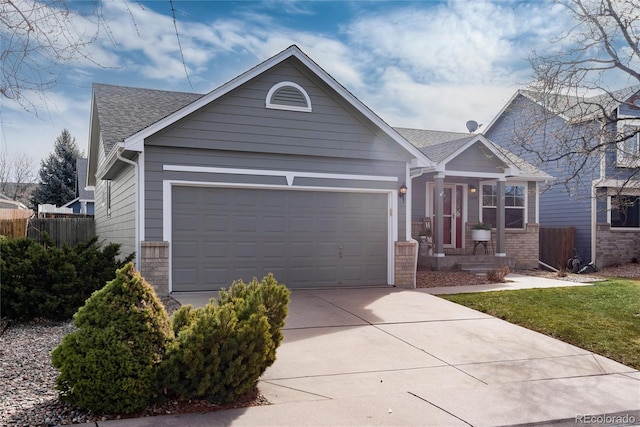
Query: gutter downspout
594	218
119	152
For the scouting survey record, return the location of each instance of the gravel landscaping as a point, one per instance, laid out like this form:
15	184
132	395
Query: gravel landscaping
27	379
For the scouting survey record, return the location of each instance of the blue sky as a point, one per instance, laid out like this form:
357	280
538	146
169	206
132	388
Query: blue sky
421	64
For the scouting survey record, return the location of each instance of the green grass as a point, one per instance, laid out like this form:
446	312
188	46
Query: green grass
603	318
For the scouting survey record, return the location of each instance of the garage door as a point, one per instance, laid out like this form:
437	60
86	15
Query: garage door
305	238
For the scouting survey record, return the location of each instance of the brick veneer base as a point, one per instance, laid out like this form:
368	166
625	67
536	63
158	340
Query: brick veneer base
405	259
522	246
154	265
616	246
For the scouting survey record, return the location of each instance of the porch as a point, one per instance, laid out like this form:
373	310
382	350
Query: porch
522	249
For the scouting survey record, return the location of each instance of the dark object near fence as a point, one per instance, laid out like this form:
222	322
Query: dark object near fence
62	230
588	269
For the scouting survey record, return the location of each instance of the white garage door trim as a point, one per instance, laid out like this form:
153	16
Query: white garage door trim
167	212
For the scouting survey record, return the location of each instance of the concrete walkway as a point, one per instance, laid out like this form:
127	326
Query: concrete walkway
514	281
387	356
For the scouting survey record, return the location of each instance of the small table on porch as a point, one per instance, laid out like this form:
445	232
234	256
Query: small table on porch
480	242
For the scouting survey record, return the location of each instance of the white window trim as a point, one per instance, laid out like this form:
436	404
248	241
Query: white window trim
392	204
610	208
525	217
624	159
280	85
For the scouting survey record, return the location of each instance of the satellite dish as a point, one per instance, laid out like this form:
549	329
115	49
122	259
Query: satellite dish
472	126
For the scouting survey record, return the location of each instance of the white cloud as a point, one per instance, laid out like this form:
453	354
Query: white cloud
416	65
24	132
403	102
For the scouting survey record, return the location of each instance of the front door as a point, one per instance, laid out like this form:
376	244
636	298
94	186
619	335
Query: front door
452	220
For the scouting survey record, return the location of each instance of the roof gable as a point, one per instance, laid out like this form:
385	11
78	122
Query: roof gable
572	109
160	109
135	141
449	150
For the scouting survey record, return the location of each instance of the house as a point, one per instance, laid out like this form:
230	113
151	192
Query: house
279	170
7	202
598	194
83	203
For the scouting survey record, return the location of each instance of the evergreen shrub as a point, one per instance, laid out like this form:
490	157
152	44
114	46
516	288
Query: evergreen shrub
221	350
109	364
48	282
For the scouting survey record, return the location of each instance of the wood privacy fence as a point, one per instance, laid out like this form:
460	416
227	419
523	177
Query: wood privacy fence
13	228
62	230
556	245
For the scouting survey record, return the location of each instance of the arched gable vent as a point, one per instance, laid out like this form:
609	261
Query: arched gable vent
288	96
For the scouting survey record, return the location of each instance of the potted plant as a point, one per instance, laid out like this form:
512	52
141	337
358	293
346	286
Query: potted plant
481	232
425	239
425	232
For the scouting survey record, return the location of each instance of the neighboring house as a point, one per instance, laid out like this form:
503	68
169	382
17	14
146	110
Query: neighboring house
83	203
20	192
599	194
279	170
7	202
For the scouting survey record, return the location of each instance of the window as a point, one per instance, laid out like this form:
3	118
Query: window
109	199
625	211
288	96
629	149
514	205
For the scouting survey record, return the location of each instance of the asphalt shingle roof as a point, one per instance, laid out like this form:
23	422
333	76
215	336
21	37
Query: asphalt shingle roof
437	145
124	111
581	108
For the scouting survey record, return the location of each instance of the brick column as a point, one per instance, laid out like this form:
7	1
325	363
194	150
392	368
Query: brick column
154	265
405	261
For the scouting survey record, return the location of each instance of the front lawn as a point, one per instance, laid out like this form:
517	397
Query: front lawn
603	318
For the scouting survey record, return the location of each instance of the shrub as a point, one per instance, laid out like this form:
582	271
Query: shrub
273	296
498	274
109	364
45	281
220	351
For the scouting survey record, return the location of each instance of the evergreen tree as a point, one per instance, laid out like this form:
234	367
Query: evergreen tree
57	173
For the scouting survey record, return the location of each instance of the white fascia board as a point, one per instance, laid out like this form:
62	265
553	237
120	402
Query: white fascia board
138	138
507	105
524	177
500	113
617	183
134	142
111	159
66	205
421	158
289	175
511	168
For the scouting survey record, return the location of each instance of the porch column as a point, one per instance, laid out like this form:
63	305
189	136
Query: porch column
500	220
439	214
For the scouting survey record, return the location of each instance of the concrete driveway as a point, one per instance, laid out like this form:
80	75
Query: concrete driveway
386	356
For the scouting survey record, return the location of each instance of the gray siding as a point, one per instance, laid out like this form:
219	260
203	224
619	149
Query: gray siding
120	226
239	121
525	129
476	158
237	131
